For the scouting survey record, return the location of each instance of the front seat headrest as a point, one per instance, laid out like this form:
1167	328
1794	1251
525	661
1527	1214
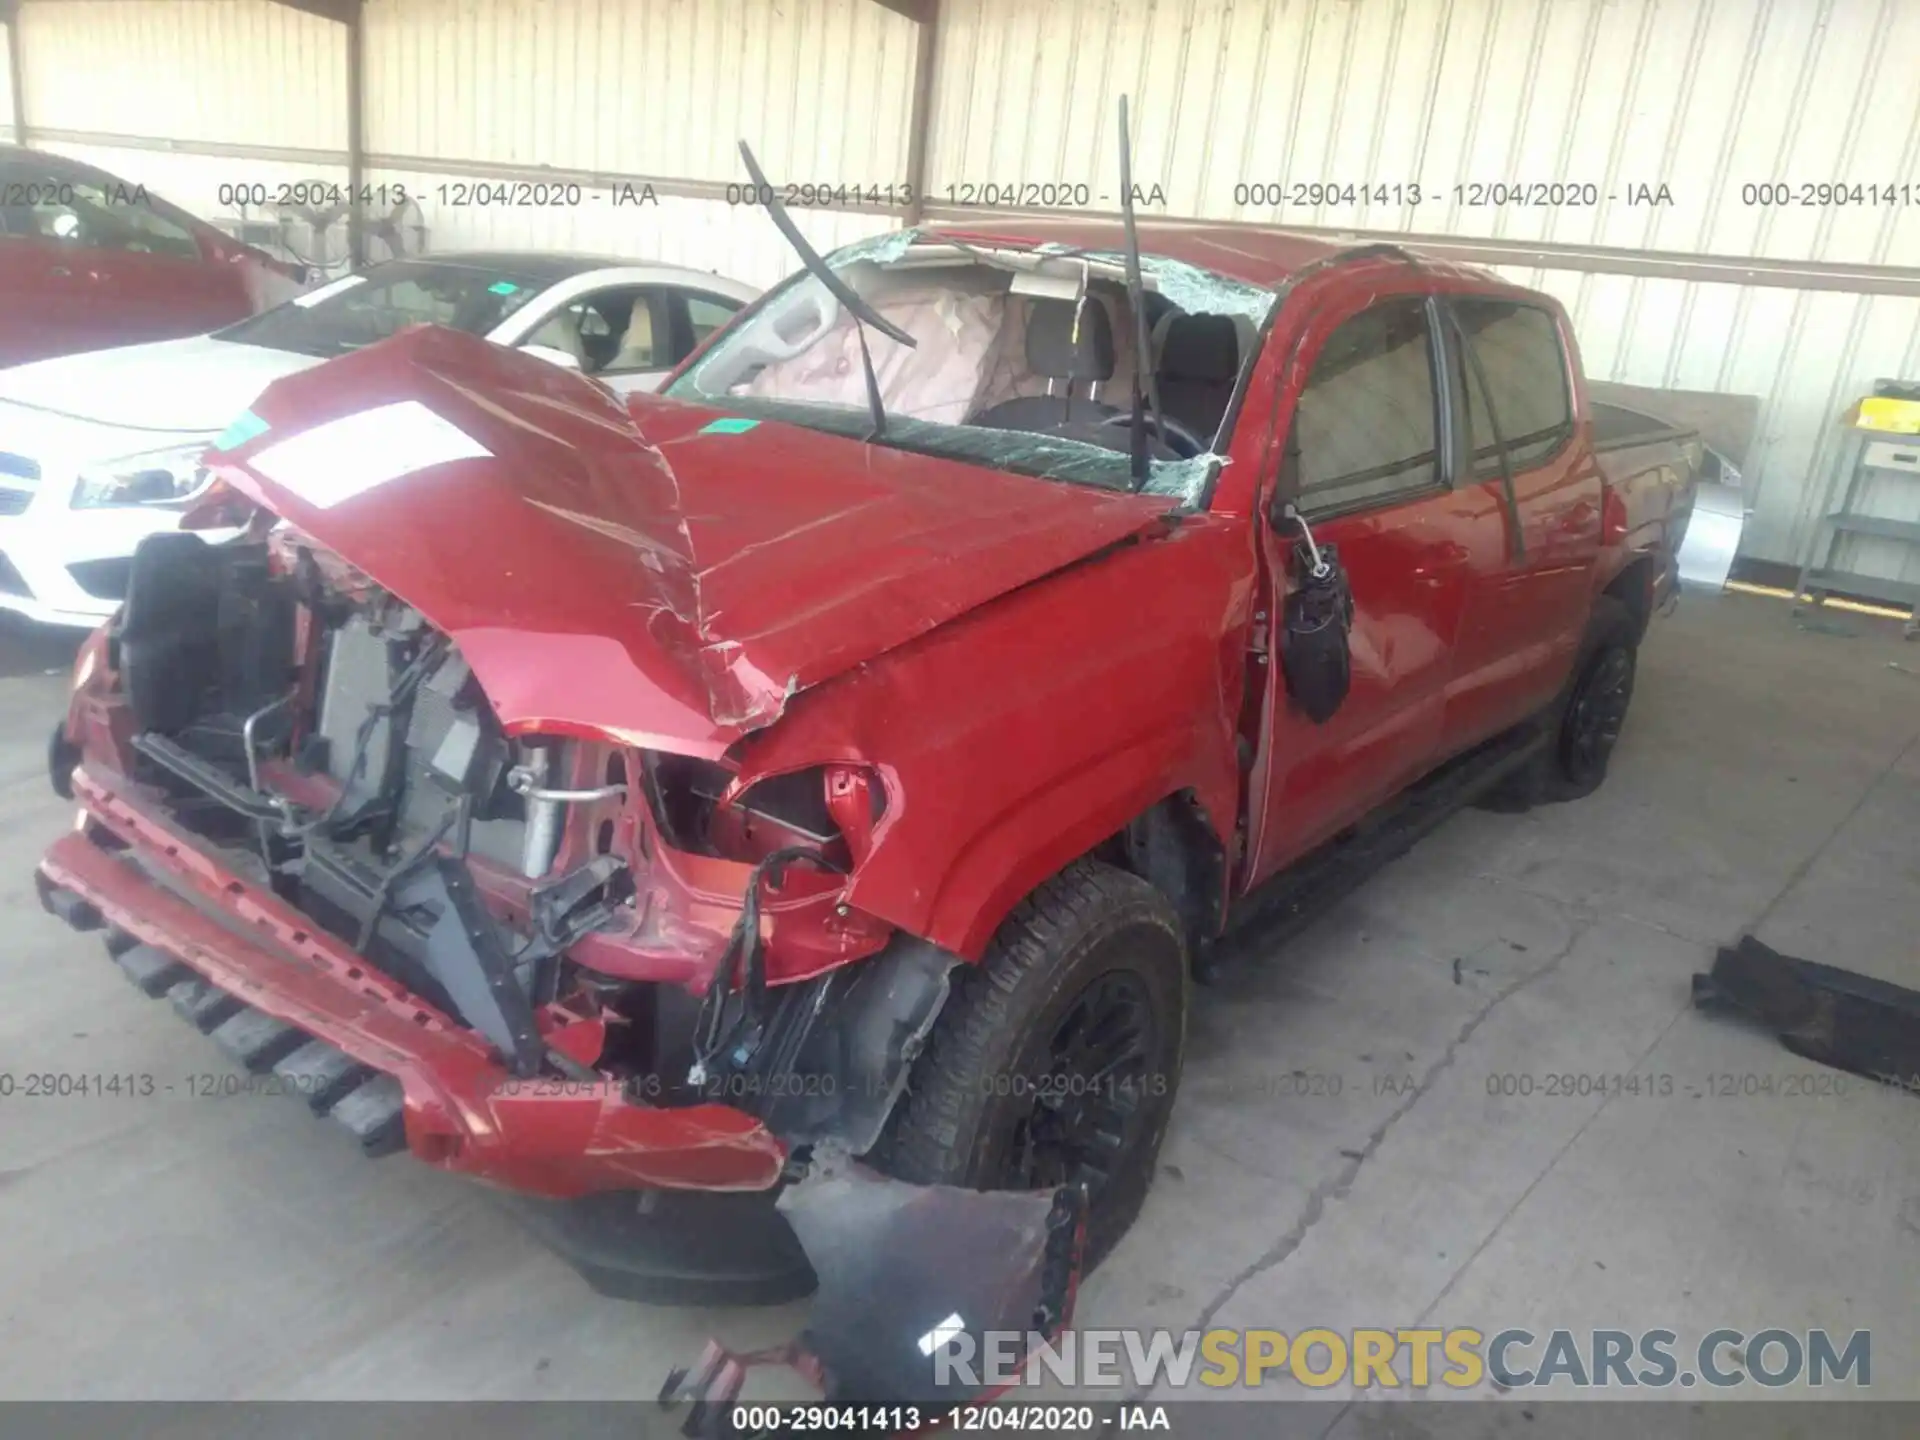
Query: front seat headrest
1200	347
1051	348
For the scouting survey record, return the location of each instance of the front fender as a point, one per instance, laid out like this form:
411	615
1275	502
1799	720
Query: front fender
1022	735
1062	822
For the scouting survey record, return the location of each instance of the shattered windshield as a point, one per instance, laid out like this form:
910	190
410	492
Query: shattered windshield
1024	360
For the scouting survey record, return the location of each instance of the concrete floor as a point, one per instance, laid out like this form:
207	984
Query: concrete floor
1769	778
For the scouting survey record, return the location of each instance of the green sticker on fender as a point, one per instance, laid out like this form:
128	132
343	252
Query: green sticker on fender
731	425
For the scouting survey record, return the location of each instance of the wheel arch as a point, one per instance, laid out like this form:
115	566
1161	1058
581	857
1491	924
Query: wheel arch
1633	586
1151	809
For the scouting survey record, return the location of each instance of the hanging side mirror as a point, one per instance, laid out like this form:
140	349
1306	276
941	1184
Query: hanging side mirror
1316	624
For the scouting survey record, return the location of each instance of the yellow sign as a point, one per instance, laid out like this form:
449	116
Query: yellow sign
1885	413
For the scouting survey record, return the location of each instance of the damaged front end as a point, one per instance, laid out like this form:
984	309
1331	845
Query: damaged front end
604	975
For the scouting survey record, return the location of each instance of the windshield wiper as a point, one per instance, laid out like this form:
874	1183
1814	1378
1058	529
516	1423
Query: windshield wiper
863	313
1143	341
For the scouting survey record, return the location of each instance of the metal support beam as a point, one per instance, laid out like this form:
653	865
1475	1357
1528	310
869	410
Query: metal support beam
920	117
16	69
356	23
352	15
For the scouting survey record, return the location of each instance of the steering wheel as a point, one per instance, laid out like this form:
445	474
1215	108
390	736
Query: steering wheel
813	306
1175	436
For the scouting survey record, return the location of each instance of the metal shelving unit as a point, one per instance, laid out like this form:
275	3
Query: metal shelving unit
1872	464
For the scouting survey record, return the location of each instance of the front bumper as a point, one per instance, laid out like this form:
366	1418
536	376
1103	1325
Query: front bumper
893	1262
252	954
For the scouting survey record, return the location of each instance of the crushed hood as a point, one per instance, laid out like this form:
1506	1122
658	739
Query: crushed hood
186	387
664	574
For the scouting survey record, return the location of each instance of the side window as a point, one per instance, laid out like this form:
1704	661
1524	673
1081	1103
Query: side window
643	340
1518	347
107	215
405	302
1366	422
706	314
607	331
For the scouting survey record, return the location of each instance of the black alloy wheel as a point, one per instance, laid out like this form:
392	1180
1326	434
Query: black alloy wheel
1597	711
1079	1120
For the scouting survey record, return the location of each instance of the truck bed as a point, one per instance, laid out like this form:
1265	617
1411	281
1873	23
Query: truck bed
1653	465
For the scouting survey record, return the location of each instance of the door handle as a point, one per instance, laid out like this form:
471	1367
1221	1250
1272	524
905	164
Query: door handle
61	270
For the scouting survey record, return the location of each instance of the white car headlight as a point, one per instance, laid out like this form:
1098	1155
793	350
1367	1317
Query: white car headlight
158	477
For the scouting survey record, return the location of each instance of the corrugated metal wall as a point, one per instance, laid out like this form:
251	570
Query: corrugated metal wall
664	88
1703	96
6	86
660	89
229	72
156	90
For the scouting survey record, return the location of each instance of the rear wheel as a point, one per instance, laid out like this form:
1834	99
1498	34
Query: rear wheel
1591	725
1584	723
1056	1059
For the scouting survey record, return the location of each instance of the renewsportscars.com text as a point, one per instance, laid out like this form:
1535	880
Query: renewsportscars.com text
1458	1359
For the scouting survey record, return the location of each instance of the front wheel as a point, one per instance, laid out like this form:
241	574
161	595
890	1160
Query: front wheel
1056	1059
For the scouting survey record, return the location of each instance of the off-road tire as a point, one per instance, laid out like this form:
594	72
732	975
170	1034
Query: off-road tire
1584	720
960	1116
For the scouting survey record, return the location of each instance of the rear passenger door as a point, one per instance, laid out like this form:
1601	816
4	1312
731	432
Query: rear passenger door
1366	461
1532	498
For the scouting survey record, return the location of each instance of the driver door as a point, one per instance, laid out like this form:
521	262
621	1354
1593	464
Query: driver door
1366	461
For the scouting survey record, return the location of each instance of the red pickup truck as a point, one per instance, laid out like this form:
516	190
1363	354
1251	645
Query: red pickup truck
856	748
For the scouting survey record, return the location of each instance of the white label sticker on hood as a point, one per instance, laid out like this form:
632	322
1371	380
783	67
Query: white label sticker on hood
350	456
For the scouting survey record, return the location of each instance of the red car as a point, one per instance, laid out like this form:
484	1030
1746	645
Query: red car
847	757
88	261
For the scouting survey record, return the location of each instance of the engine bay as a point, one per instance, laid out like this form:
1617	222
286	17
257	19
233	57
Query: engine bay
329	743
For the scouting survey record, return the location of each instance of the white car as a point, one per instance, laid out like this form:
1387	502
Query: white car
100	450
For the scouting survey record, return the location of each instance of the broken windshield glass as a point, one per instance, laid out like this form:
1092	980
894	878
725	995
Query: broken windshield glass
1023	358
